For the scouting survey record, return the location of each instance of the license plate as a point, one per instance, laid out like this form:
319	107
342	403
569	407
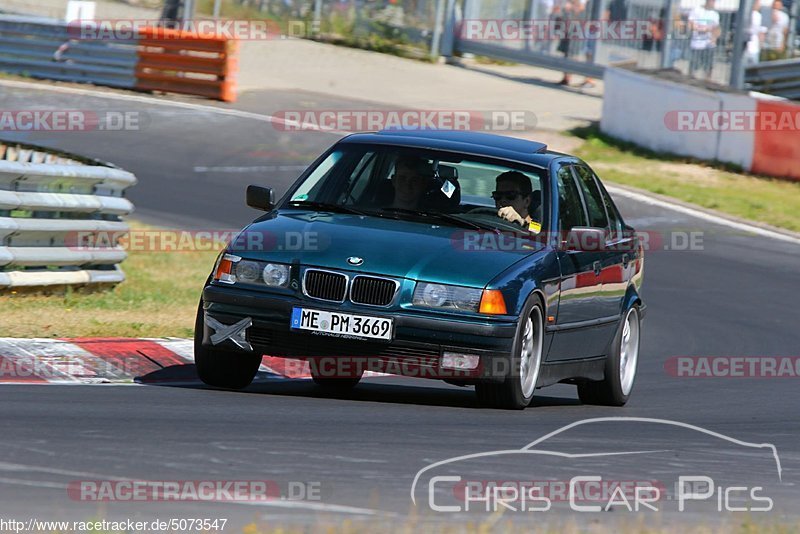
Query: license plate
343	324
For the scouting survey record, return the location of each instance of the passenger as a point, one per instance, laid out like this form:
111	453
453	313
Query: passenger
513	197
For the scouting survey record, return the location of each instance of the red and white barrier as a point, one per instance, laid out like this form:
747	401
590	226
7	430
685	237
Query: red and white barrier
760	133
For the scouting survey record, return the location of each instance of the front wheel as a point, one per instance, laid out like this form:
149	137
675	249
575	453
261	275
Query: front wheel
515	392
621	362
229	369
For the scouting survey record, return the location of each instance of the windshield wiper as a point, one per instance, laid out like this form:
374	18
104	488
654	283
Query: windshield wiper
325	206
442	216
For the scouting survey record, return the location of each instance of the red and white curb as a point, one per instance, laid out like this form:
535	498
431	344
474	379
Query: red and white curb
118	361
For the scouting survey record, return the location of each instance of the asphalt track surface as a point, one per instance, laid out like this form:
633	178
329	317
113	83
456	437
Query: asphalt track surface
735	297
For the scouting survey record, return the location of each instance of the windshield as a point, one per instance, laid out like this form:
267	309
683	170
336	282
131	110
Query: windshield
412	184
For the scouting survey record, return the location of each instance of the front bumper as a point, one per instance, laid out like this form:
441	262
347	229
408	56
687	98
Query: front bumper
416	348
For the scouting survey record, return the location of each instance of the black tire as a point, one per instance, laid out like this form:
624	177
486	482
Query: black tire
511	394
613	390
229	369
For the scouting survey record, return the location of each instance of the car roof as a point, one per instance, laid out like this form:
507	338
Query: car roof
467	142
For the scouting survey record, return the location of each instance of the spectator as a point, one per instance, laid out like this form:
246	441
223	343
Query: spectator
617	10
656	27
564	13
756	35
704	25
775	43
572	13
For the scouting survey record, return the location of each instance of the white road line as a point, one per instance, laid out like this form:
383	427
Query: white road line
33	483
255	168
24	468
316	507
293	125
639	197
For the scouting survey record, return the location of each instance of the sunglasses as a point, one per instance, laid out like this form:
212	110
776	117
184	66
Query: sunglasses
505	195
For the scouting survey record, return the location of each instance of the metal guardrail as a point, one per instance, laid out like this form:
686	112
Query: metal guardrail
44	48
51	206
156	59
780	78
530	58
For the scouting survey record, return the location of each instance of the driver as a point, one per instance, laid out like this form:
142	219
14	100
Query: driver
512	198
410	181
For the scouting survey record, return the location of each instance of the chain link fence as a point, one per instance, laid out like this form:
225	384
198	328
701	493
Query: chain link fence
398	26
690	36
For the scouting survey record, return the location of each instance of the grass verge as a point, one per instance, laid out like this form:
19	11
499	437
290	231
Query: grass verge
158	298
716	186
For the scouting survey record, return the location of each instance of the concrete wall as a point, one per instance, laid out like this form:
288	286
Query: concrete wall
757	132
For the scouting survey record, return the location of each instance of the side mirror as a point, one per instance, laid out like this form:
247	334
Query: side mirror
260	198
583	239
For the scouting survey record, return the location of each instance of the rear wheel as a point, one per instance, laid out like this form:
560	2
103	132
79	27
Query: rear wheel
621	363
229	369
515	392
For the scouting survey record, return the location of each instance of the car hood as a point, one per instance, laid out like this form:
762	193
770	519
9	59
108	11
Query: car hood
392	247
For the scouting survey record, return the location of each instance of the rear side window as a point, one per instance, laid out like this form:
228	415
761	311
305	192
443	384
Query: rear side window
570	208
595	206
614	218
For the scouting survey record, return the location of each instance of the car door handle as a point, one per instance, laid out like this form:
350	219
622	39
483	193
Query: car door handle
597	268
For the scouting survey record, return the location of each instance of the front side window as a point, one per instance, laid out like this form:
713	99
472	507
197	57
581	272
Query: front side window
313	182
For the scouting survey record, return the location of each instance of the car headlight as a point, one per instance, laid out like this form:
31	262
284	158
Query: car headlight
247	271
447	296
275	274
231	269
